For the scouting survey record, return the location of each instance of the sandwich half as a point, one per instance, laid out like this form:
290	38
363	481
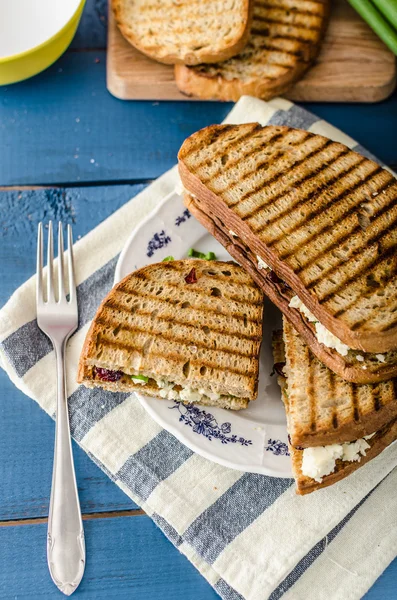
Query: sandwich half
334	426
184	330
189	32
284	41
315	225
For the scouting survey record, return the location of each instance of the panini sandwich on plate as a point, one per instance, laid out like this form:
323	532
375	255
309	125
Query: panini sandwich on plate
189	32
334	426
285	39
185	330
314	223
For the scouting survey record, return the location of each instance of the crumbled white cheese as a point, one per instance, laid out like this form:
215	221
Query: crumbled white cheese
330	340
360	358
261	263
296	302
209	394
140	381
189	395
186	394
319	461
323	335
364	367
169	394
381	357
232	233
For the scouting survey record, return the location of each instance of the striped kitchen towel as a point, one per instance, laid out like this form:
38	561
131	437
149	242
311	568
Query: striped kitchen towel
249	535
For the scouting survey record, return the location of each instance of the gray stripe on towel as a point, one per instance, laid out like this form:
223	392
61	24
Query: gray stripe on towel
233	512
294	117
226	592
26	346
315	552
167	529
153	463
87	407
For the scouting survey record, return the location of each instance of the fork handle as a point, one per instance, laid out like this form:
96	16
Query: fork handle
65	537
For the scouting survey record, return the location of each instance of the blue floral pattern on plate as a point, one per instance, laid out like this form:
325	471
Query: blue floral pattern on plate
204	423
159	240
277	447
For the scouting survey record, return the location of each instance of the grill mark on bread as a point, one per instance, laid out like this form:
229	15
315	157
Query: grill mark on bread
356	410
309	195
343	194
376	399
199	292
274	178
275	48
257	149
348	235
174	338
180	359
295	10
311	393
169	338
372	241
113	304
294	26
235	142
230	164
352	278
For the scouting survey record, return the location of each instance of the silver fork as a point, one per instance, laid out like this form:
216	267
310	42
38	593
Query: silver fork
57	318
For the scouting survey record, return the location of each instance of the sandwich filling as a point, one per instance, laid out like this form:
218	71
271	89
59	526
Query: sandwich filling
166	389
323	335
319	461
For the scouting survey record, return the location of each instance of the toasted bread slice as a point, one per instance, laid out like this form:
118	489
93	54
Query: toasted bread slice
185	32
324	408
284	41
320	215
192	328
376	444
356	366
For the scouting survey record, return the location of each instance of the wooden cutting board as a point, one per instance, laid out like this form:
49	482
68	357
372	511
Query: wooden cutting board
353	66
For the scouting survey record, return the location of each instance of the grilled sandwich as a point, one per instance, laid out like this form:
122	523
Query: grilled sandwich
334	426
314	223
184	330
189	32
285	39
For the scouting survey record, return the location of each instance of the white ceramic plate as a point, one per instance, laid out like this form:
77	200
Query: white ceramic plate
252	440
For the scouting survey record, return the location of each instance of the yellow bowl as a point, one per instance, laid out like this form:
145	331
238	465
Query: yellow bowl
33	35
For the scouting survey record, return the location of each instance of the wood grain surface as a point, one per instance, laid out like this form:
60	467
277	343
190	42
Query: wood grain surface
353	66
130	142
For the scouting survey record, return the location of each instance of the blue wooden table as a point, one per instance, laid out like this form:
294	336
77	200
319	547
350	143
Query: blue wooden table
70	151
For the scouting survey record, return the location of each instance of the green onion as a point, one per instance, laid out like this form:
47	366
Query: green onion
192	253
376	21
167	258
389	10
140	377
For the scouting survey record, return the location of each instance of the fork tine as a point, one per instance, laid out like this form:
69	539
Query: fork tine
39	267
61	283
72	282
50	265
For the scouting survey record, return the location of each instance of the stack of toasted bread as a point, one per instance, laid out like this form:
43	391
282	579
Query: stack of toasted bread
315	224
227	48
